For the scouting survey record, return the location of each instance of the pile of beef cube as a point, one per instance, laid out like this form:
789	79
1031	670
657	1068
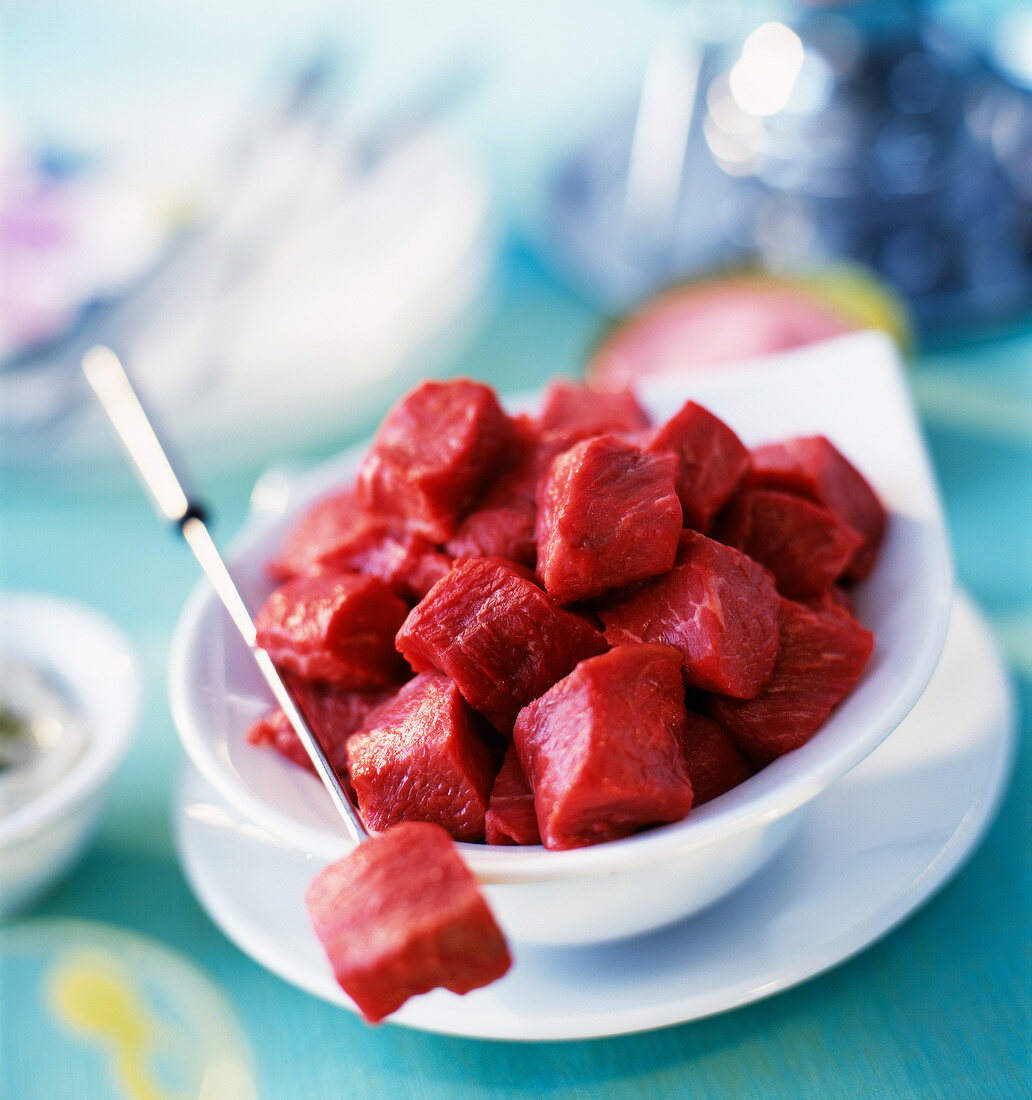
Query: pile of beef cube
565	628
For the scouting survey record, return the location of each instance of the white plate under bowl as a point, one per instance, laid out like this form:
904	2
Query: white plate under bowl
871	849
852	390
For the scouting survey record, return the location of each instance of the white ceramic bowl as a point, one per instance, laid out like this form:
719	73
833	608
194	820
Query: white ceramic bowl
851	389
95	666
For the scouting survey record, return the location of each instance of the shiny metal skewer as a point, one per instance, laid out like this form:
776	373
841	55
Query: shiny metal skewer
152	463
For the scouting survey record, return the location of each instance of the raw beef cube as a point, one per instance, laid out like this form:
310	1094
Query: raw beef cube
516	481
717	606
501	532
511	818
337	534
434	454
332	535
502	525
333	715
515	486
422	757
714	763
820	659
335	628
804	545
608	515
408	563
602	748
497	635
275	731
324	538
575	411
711	461
836	599
812	467
401	915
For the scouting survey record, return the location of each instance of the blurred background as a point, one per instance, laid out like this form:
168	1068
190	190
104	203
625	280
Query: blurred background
281	216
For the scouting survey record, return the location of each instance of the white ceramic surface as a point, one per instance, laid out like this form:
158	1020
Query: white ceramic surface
870	850
256	341
95	664
852	390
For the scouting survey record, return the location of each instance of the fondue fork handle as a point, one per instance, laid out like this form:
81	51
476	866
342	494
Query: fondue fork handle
152	464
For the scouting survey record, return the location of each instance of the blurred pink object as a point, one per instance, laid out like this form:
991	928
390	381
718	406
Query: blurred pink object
69	235
740	316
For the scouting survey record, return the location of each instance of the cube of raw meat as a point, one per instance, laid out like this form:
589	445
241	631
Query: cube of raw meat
511	818
607	515
500	532
803	544
333	715
715	764
275	731
502	524
406	562
820	659
515	485
602	748
813	467
497	635
335	628
717	606
337	534
836	599
324	537
434	454
711	461
401	915
576	411
422	756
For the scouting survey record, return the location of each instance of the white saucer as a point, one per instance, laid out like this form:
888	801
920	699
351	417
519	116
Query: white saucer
872	848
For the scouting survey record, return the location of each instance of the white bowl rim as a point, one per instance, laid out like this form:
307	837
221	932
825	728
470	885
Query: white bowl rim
774	792
110	705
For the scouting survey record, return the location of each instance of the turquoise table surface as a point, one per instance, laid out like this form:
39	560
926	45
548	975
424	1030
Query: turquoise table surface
939	1007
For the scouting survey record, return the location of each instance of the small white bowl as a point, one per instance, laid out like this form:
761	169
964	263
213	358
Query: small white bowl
851	389
93	665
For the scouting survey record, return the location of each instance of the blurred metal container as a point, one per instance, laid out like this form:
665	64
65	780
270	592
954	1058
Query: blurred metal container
864	131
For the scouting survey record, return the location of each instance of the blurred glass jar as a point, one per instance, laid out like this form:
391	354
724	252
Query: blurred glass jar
862	130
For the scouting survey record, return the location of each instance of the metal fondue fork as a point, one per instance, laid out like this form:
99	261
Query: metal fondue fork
149	457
